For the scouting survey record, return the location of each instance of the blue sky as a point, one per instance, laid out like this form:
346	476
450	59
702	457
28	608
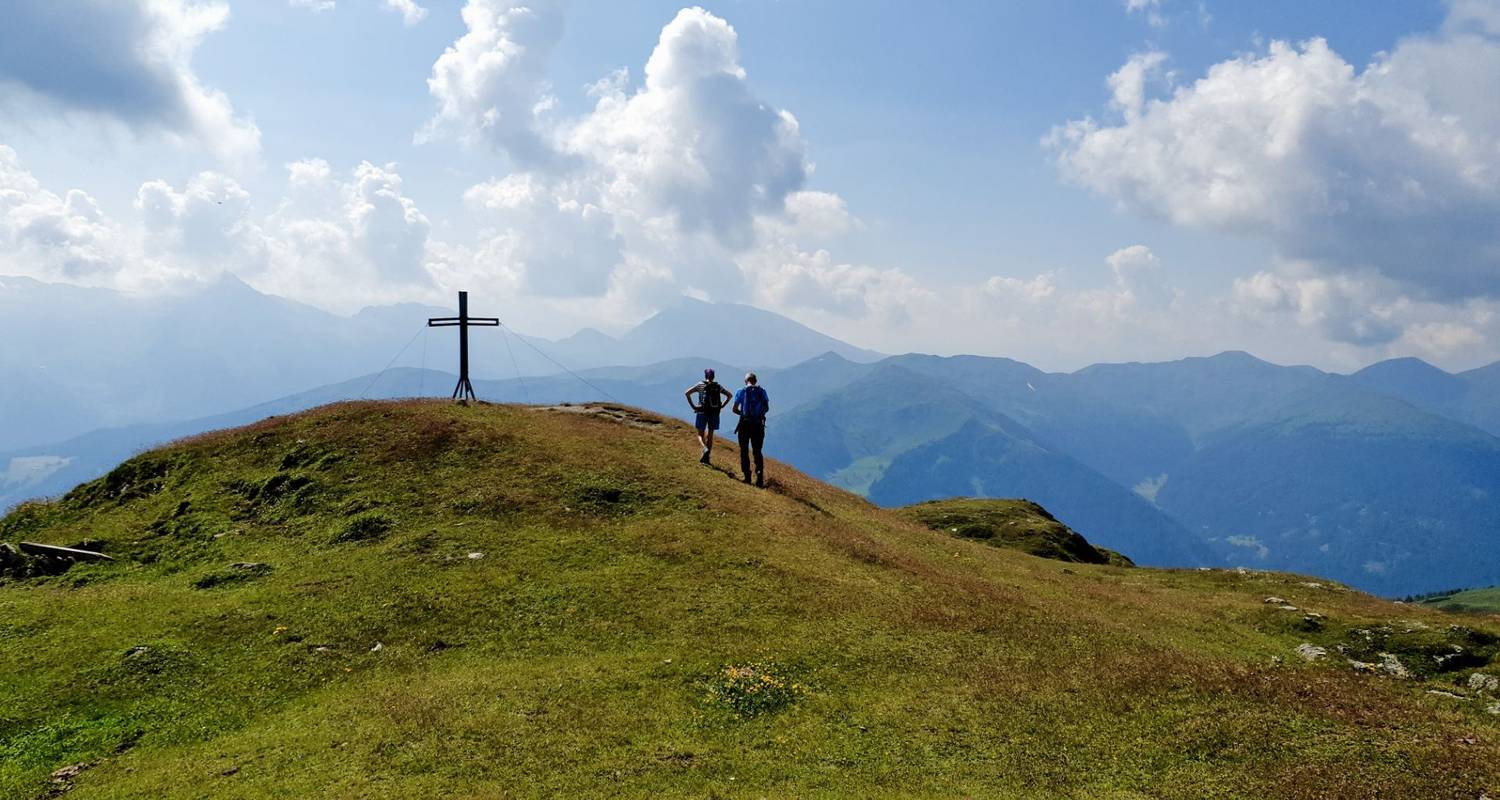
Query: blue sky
930	194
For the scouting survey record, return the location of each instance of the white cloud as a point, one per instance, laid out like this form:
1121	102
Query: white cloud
1038	289
51	237
1371	313
410	12
549	241
127	61
1151	8
315	6
491	84
787	277
1345	308
1393	170
1128	83
208	220
339	241
678	182
693	145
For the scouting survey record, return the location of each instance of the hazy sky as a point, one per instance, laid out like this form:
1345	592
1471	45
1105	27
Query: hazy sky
1060	182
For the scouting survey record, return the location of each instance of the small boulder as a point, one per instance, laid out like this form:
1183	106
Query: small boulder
67	774
1392	666
1449	695
1480	682
1311	652
1493	708
1274	601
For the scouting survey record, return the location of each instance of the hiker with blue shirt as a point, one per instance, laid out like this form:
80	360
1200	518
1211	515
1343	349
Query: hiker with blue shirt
752	404
711	397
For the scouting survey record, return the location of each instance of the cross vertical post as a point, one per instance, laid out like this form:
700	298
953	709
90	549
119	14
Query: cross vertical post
464	390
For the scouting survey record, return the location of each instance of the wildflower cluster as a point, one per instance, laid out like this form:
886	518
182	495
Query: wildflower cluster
753	689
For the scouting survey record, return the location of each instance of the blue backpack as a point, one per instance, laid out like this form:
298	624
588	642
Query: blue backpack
754	403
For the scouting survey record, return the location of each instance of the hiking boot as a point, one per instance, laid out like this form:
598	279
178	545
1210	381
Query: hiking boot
704	458
760	481
747	479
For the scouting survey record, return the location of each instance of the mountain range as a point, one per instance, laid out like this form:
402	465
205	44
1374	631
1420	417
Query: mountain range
78	359
1388	479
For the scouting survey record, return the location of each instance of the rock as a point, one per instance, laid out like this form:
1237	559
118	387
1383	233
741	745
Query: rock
1287	607
1274	601
1361	666
250	566
138	650
476	555
377	648
68	773
1392	666
10	557
1480	682
1493	708
323	648
1449	695
1311	652
54	551
1311	585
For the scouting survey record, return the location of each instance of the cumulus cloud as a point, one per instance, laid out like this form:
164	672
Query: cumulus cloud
1128	83
785	276
1371	313
54	237
491	85
694	144
337	240
1394	169
124	60
410	12
1038	289
680	181
1345	308
549	241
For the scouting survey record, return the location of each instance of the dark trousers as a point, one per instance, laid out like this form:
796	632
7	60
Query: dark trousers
752	434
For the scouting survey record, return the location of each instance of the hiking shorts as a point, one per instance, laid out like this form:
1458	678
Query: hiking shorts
707	421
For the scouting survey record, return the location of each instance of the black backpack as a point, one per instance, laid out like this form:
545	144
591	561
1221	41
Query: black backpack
710	398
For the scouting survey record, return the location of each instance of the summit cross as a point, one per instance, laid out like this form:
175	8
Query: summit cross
464	390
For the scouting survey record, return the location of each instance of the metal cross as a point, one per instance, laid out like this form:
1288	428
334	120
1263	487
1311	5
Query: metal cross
464	390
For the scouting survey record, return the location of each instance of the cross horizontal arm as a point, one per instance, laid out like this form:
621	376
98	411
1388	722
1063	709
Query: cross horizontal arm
446	322
486	321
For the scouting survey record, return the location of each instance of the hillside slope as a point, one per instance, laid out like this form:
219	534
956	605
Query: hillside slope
1017	524
419	599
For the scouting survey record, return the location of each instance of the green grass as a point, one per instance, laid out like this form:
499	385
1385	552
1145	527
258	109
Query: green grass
492	601
1476	601
1017	524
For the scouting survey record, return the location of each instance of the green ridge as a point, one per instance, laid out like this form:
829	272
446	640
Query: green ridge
1017	524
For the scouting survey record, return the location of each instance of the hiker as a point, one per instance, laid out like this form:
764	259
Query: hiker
752	403
711	397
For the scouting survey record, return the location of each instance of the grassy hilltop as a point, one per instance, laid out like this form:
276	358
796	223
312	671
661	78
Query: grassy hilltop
420	599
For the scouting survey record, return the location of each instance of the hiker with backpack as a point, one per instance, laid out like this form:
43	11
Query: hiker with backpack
711	397
752	403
